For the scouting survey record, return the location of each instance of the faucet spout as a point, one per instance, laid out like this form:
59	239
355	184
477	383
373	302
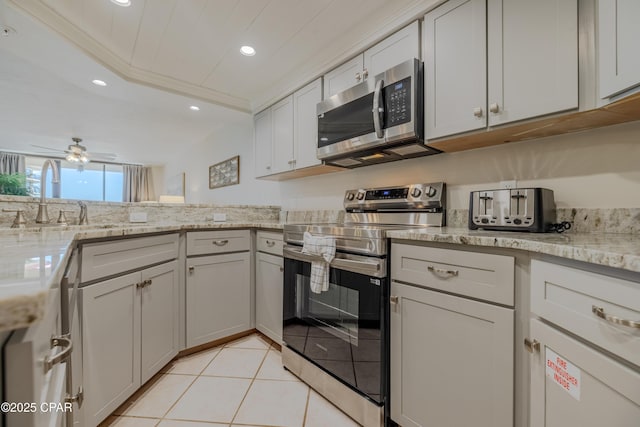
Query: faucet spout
43	215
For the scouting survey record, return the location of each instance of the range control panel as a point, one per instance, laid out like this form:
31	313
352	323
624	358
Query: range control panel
407	197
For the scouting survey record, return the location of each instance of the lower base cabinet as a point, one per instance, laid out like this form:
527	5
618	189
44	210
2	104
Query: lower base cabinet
269	282
130	331
218	296
451	360
573	384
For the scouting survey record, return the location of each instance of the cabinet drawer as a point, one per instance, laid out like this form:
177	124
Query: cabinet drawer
484	276
269	242
567	297
217	242
109	258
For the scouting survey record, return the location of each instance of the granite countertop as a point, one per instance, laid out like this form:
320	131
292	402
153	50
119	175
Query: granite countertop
607	249
33	261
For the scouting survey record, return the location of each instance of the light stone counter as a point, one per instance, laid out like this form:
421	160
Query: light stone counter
607	249
33	260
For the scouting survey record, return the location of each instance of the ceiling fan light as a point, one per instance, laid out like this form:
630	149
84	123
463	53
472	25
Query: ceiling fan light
72	158
83	158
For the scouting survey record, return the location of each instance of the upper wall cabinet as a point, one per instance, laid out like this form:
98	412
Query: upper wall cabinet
618	35
397	48
530	64
286	133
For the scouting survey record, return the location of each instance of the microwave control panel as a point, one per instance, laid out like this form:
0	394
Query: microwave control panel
397	98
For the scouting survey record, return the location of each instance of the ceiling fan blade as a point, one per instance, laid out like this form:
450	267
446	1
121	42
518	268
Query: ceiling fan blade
48	148
110	156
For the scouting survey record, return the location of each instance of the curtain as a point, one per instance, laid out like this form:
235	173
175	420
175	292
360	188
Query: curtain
12	163
137	184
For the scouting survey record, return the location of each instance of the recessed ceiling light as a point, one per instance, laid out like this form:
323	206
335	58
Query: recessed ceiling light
194	108
123	3
6	30
247	51
98	82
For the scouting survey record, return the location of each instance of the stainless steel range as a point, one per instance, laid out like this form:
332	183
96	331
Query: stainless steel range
338	340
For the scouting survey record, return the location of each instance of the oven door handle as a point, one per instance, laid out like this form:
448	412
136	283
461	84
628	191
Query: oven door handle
372	267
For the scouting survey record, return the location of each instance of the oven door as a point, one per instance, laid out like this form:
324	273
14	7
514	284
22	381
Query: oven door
342	330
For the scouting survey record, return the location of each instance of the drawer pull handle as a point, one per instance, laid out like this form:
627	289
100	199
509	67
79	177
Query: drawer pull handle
393	300
191	269
442	271
220	242
270	243
59	341
599	311
532	345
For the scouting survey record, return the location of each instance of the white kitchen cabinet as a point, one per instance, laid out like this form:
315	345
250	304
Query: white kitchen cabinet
219	302
269	285
129	332
282	128
263	140
618	35
573	384
395	49
449	348
531	63
305	125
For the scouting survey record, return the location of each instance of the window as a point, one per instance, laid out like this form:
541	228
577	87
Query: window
95	181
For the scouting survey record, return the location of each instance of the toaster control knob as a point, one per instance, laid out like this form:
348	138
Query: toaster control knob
485	220
350	196
416	192
517	221
430	191
360	196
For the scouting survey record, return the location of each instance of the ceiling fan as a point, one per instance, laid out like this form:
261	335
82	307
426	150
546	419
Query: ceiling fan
77	153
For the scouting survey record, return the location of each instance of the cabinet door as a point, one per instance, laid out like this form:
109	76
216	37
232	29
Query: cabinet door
159	318
218	297
574	385
532	58
345	76
110	345
449	353
455	68
618	35
282	122
269	281
305	124
262	142
395	49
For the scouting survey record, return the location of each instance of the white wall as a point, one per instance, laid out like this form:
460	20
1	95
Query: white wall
591	169
195	158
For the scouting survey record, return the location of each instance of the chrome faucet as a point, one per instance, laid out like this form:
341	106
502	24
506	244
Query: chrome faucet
83	219
43	215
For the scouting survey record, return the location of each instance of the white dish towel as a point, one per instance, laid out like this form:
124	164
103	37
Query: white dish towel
325	249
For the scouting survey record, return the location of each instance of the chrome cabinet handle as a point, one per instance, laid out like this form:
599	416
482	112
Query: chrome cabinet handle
191	269
599	311
220	242
358	77
140	285
393	300
477	112
442	271
494	108
59	341
270	243
377	110
365	74
144	284
532	345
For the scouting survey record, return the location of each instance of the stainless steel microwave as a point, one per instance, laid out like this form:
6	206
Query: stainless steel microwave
376	121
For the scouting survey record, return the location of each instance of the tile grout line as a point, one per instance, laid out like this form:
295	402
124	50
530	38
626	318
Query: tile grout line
266	353
306	407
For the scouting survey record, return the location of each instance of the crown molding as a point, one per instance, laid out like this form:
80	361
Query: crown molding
108	59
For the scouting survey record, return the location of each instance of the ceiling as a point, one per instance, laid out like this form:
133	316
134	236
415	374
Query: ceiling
187	48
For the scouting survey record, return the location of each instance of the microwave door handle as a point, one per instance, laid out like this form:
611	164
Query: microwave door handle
377	110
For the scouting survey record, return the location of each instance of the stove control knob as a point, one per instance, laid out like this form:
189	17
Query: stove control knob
360	196
430	192
416	192
350	196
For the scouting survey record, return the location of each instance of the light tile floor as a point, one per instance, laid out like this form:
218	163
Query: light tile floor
241	383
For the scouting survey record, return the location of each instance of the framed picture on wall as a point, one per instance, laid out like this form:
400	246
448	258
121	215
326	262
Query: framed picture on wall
225	173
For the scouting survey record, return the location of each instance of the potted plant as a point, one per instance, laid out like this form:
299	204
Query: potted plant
14	184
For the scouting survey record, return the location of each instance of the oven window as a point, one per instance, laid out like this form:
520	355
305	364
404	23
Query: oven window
340	329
